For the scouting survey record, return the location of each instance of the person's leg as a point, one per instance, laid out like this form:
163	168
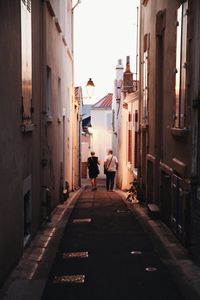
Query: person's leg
92	182
112	178
95	183
107	181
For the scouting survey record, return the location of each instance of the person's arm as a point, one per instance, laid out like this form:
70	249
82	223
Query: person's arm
88	163
105	161
116	162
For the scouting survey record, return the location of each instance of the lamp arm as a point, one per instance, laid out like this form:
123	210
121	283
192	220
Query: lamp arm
77	3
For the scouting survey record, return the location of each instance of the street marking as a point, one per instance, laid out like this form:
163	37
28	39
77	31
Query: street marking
136	252
78	221
151	269
69	255
69	279
123	211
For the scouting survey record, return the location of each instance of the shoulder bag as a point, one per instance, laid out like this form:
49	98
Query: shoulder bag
106	168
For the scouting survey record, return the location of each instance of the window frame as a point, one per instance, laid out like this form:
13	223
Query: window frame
145	88
26	65
181	67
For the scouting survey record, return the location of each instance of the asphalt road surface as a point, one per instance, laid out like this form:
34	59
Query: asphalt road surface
106	255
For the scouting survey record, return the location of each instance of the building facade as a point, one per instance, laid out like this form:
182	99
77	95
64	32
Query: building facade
35	118
76	135
168	114
125	124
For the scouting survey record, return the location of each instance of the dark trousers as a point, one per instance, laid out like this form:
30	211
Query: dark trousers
110	176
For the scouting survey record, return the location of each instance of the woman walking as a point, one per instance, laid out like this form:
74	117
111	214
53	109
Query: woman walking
110	167
92	164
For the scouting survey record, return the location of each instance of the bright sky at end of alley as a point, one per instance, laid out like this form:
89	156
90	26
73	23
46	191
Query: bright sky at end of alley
104	31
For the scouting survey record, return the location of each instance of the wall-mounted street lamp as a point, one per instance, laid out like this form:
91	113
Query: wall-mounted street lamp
78	2
90	87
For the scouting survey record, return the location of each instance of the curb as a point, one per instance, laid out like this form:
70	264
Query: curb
185	273
28	278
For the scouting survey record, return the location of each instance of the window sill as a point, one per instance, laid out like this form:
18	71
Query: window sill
182	132
27	128
59	119
144	126
49	119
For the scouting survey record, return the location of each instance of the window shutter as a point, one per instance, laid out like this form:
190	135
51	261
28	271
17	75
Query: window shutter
183	64
181	58
26	61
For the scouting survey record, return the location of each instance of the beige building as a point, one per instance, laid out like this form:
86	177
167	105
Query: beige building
76	136
36	118
125	124
128	143
168	114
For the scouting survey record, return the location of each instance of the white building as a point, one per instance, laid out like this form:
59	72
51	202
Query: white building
101	121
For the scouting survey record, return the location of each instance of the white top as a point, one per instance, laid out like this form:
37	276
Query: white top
113	164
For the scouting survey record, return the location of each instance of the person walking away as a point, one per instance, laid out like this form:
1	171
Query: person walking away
111	166
93	168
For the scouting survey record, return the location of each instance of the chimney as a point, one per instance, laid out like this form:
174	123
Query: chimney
119	70
128	77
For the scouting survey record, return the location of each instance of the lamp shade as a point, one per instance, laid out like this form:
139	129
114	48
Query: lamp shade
90	87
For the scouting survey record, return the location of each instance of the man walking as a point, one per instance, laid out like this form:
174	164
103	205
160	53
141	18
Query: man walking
110	167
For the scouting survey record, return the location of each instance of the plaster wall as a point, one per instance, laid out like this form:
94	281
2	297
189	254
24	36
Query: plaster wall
59	129
19	152
102	134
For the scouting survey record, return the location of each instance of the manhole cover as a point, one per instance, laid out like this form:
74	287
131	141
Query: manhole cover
151	269
78	221
68	255
69	279
136	252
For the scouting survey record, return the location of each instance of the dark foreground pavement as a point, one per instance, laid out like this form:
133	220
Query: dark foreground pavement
122	262
126	255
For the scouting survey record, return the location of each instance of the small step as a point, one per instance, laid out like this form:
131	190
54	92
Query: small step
153	210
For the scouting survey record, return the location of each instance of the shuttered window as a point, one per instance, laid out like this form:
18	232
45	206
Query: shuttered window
130	146
145	79
26	61
181	66
49	94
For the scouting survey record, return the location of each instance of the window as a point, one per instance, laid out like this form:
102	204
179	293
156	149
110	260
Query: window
130	137
59	100
26	61
180	82
145	79
136	146
144	2
113	120
49	94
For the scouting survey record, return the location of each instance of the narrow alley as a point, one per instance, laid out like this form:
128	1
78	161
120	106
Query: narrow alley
105	91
